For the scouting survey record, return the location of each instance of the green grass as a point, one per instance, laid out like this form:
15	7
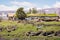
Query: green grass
23	28
52	14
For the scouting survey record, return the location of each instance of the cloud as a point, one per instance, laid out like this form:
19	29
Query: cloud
23	4
56	5
15	5
6	8
39	8
46	6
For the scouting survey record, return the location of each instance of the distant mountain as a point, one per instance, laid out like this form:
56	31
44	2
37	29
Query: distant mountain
48	10
6	12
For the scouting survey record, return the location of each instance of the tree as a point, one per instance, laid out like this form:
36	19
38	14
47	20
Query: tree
20	14
29	12
34	10
0	19
44	12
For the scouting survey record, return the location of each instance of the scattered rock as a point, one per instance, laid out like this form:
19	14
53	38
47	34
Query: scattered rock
19	21
14	28
1	29
57	33
16	39
48	33
37	33
8	29
11	28
28	33
40	32
34	33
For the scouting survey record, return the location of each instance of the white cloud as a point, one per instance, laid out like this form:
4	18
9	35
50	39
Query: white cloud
56	5
26	5
6	8
23	4
39	8
15	5
46	6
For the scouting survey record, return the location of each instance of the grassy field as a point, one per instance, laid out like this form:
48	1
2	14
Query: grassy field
22	28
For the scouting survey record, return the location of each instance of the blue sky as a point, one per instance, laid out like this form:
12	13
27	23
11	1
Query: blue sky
39	4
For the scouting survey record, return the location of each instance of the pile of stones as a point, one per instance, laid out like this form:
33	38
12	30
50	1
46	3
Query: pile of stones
49	33
8	28
11	28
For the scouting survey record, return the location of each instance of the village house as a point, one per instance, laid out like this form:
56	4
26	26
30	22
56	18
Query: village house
10	16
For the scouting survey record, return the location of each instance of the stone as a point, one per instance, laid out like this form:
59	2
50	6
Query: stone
1	29
34	33
57	33
48	33
28	33
14	28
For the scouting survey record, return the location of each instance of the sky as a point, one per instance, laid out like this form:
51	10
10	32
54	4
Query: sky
6	5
